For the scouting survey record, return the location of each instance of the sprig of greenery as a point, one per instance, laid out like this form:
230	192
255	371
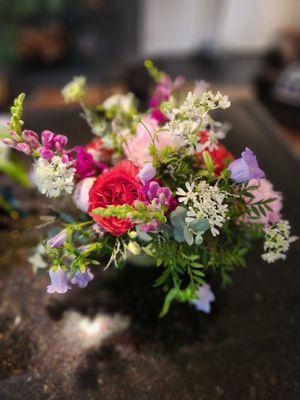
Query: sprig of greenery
139	213
16	124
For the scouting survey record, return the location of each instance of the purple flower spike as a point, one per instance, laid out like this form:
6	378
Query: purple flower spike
60	141
59	281
147	173
152	191
245	168
82	279
31	138
15	137
24	148
46	153
47	138
58	240
204	297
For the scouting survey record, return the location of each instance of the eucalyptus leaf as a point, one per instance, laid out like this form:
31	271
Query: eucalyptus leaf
177	216
188	236
200	225
178	234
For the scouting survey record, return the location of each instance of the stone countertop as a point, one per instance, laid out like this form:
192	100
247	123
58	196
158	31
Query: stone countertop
106	342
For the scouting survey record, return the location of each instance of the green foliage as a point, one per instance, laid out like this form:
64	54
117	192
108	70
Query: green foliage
16	124
153	71
140	212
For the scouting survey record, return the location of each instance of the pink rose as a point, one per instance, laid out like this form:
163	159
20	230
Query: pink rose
265	191
136	146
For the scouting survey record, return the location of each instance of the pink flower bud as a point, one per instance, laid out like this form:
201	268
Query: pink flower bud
46	153
81	194
60	141
24	148
47	138
31	138
9	142
15	137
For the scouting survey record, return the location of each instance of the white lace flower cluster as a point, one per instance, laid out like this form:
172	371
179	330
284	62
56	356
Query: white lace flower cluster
54	177
194	107
204	202
277	241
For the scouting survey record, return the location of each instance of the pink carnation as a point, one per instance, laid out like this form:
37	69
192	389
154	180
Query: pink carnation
136	147
265	191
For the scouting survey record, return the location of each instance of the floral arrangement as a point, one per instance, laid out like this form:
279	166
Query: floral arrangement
158	182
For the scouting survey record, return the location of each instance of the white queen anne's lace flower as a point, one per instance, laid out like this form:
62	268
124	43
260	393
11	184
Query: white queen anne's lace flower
277	241
54	177
205	202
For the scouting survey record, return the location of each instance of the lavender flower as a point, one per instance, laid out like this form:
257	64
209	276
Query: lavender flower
147	173
58	240
59	281
205	297
60	142
159	195
82	278
245	168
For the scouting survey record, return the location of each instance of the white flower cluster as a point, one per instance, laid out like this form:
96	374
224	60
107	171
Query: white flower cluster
277	241
204	201
74	90
122	102
54	177
194	107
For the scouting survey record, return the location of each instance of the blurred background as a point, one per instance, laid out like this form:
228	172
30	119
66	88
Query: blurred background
248	49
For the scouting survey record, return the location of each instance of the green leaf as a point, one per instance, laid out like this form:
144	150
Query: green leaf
188	236
200	225
177	216
208	162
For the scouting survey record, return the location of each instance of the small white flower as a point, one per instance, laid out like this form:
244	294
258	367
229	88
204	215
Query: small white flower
74	90
54	177
205	202
277	241
36	259
189	195
123	102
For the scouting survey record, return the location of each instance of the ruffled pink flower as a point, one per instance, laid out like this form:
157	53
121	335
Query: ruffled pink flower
265	191
136	147
84	163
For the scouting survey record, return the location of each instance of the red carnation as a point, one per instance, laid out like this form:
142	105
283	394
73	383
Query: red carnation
120	185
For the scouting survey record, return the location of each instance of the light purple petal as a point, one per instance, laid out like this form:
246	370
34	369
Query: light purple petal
58	240
82	278
59	281
204	297
147	173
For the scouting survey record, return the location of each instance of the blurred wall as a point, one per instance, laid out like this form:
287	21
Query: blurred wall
182	26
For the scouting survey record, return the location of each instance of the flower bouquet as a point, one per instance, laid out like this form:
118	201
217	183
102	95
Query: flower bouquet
158	182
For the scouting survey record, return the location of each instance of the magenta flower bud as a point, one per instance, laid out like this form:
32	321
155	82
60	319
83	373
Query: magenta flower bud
46	153
9	142
24	148
65	158
59	281
47	138
60	141
31	138
147	173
